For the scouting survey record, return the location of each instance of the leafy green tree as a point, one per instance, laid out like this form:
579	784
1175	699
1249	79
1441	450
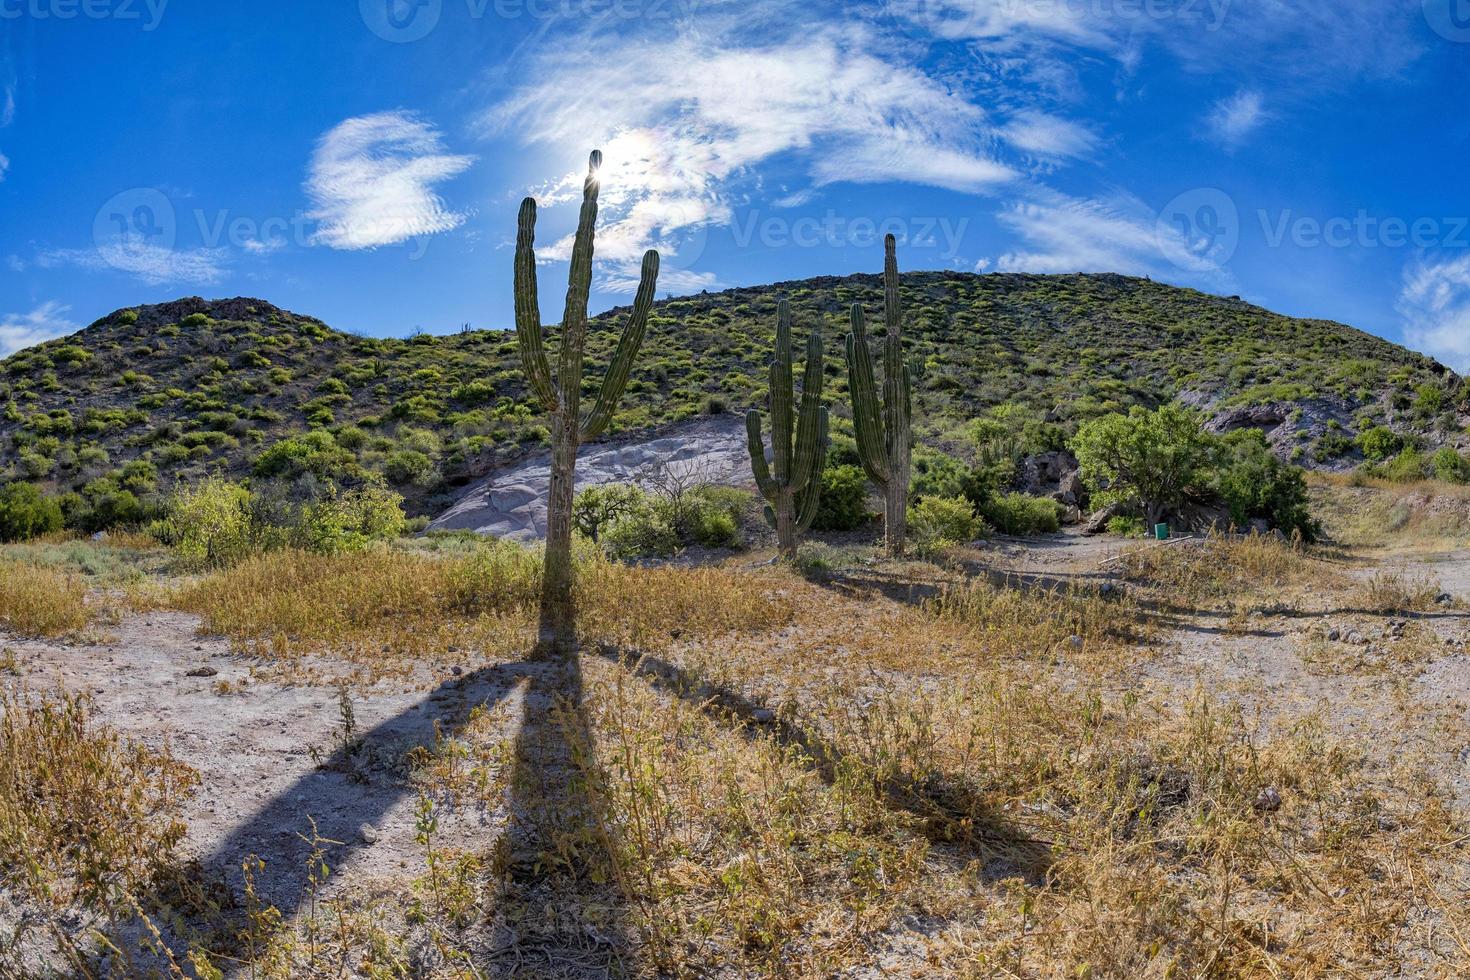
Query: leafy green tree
1147	460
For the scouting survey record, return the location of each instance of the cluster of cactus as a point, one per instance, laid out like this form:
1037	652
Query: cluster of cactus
792	482
884	436
560	394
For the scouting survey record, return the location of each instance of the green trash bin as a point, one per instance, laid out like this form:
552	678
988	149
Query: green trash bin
1161	532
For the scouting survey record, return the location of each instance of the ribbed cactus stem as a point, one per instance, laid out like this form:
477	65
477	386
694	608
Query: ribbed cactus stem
798	446
884	431
561	395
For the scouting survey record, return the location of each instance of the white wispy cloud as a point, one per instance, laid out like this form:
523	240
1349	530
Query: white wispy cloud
683	120
1435	305
20	330
1048	136
1069	234
7	105
372	181
1350	38
4	165
155	265
1232	120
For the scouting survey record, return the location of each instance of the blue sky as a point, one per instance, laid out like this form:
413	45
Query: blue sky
362	161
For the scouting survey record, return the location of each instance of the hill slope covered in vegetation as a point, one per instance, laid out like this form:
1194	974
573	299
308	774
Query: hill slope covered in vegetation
148	397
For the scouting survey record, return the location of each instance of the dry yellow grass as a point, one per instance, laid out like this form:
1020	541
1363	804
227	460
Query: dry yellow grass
1371	513
40	601
759	775
89	823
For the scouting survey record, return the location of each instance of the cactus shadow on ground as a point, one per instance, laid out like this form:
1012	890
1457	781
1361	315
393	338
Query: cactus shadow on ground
547	802
951	814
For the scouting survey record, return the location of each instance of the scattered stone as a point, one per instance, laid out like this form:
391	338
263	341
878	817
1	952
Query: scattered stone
1385	822
1444	599
1075	640
368	833
202	672
456	670
1268	800
1334	634
763	716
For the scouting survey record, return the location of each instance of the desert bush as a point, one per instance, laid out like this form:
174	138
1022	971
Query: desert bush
644	531
844	502
26	513
940	522
1408	466
350	520
1450	466
1255	484
409	467
1378	442
211	525
596	508
1021	513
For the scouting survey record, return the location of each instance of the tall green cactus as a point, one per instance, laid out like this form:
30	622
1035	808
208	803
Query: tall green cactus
561	395
884	436
798	447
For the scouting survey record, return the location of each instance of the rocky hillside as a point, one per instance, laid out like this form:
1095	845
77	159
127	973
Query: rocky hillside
149	396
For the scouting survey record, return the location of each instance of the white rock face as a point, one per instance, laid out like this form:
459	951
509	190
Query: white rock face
511	504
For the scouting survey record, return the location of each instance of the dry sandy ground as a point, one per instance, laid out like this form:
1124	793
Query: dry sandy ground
273	758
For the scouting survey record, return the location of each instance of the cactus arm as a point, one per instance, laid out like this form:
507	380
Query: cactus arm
579	289
811	499
782	424
866	420
528	310
808	439
757	448
627	351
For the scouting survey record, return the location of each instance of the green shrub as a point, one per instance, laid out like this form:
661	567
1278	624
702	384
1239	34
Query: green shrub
1378	442
940	522
195	320
210	525
595	508
844	502
1255	484
641	533
1406	467
26	513
1450	466
1021	513
712	518
128	317
1126	526
350	520
409	467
